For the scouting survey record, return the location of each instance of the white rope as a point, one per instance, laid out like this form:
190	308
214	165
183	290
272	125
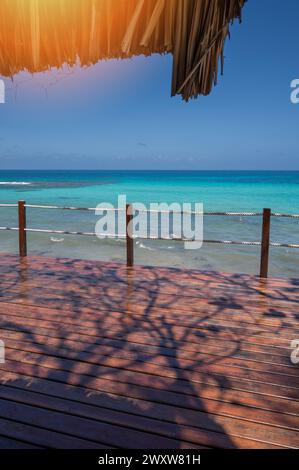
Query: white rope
291	216
65	232
174	239
284	245
59	232
230	214
109	209
230	242
179	239
91	209
235	214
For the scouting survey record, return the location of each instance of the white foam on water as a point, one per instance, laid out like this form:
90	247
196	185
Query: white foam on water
146	247
56	240
15	183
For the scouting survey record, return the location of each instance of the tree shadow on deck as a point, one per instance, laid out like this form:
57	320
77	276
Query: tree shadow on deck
146	355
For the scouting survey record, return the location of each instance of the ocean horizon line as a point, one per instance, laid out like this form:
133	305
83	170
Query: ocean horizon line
150	170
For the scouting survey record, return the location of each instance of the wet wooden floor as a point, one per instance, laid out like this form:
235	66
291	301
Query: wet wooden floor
97	356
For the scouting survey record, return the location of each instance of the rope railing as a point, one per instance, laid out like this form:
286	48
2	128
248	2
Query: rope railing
230	214
265	242
156	211
291	216
149	211
65	208
172	239
110	209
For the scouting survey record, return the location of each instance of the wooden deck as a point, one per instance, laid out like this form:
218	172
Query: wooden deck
101	357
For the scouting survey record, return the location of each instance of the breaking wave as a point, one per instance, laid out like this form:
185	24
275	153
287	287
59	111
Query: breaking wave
14	183
57	240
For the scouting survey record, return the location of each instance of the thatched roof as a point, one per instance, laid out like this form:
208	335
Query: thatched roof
36	35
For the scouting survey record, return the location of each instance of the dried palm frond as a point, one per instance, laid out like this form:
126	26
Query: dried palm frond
36	35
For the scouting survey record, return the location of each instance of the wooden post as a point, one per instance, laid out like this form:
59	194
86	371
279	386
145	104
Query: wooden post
22	229
265	243
129	236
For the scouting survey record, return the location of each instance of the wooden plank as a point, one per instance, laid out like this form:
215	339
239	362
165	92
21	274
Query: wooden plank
212	316
155	376
189	276
212	289
107	345
254	365
177	339
158	411
229	432
194	398
122	324
152	276
44	438
98	432
12	444
172	287
259	312
126	300
139	337
234	394
261	320
120	357
195	358
179	277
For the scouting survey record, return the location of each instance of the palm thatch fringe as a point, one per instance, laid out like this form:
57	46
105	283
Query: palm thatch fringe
36	35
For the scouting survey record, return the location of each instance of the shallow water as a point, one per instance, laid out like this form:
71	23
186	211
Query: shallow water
218	191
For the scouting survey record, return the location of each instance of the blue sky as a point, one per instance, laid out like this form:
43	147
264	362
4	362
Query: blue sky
119	114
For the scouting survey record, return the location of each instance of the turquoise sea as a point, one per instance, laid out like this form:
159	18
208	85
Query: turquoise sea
218	190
